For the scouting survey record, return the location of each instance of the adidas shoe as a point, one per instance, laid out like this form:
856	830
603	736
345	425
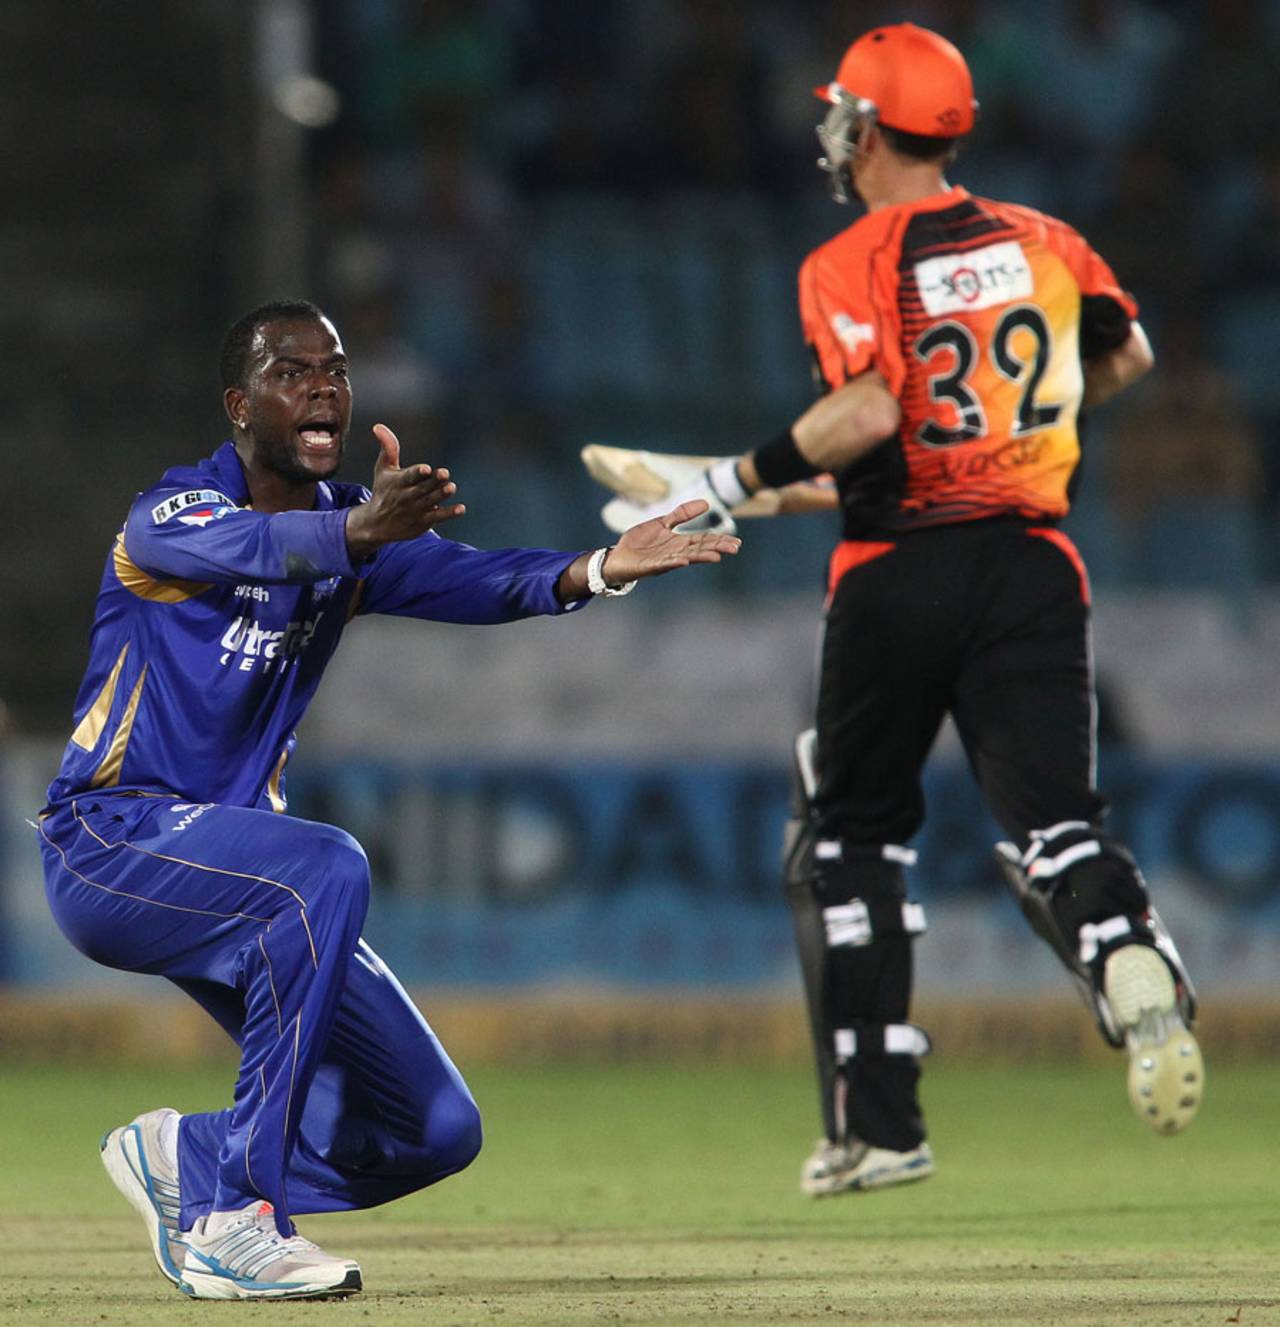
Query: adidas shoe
241	1255
854	1166
1166	1071
147	1175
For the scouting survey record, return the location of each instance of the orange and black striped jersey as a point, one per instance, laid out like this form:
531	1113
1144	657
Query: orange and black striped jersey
976	313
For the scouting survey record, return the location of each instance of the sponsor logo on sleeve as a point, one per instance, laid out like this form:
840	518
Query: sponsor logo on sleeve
979	279
201	516
197	507
852	333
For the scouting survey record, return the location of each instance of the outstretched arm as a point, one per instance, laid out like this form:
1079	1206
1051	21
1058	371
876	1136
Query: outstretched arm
651	548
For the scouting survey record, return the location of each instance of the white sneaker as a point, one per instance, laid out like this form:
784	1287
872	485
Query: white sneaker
854	1166
1166	1071
147	1174
241	1255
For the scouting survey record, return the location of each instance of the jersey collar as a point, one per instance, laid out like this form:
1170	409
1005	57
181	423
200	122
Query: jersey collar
936	202
225	463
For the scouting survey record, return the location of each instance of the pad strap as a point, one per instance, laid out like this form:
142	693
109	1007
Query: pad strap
860	921
872	1039
1058	848
1096	937
834	850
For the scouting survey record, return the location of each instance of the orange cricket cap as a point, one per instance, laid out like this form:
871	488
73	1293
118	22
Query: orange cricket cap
917	81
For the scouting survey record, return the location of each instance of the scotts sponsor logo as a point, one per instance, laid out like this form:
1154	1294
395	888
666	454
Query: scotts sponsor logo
194	810
851	333
210	504
978	279
256	646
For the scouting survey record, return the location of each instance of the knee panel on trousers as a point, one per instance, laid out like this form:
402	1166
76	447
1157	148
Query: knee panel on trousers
454	1134
340	888
444	1141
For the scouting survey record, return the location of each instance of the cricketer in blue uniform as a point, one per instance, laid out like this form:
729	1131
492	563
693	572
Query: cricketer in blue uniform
165	842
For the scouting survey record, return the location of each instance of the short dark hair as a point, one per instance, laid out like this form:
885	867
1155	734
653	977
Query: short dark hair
237	345
920	146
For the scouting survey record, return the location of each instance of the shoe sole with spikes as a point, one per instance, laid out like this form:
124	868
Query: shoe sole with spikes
1166	1069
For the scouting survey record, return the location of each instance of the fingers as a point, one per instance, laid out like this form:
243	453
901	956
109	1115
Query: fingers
438	515
686	511
423	490
388	449
713	543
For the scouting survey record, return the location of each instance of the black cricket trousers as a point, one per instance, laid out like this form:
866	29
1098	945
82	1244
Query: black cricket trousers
986	620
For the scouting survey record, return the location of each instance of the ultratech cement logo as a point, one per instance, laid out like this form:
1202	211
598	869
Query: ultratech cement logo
215	504
256	646
960	282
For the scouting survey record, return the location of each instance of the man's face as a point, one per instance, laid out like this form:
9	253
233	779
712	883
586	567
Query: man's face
295	406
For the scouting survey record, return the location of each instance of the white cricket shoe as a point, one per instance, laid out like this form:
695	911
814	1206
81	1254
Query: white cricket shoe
147	1174
241	1255
855	1166
1166	1070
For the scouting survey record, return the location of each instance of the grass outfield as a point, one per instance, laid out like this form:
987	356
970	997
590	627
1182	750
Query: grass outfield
651	1195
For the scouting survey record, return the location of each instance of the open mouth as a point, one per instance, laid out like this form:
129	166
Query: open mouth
319	436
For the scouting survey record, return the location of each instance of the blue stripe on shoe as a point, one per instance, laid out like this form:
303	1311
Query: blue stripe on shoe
147	1180
250	1283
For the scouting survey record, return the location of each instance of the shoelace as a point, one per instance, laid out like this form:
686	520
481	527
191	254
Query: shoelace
248	1245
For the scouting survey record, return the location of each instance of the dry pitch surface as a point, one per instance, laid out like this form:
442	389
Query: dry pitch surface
668	1195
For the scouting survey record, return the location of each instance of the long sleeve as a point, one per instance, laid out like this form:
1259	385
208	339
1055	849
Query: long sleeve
443	581
201	535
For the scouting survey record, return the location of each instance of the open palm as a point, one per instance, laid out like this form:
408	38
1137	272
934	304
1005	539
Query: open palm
656	546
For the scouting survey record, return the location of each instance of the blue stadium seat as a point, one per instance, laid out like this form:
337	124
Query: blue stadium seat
1205	545
1244	336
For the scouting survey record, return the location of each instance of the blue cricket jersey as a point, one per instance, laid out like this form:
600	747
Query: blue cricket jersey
214	624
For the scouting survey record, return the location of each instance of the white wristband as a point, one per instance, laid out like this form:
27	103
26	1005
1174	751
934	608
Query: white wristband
595	576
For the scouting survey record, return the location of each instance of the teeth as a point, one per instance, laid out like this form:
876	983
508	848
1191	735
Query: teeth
316	437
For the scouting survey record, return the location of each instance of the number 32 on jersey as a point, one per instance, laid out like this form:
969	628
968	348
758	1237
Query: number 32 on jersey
1019	351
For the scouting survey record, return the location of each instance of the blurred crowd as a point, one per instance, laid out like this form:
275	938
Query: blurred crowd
541	221
546	222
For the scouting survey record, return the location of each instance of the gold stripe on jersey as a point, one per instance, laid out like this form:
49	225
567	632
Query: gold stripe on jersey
108	773
274	794
89	729
146	586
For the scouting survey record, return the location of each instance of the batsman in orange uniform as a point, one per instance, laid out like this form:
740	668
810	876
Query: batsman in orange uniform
956	340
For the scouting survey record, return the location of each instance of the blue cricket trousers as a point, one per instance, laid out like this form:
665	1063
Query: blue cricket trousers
345	1098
